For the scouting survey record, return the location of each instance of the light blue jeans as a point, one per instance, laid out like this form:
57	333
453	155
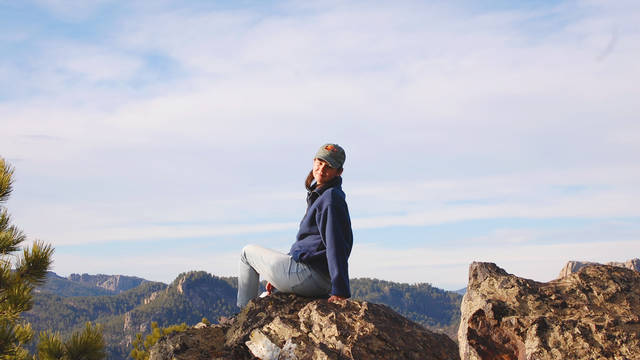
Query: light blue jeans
284	273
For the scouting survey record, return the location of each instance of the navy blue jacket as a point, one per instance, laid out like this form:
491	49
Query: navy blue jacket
325	238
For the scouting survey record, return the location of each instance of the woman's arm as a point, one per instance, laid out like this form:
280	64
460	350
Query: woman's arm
335	229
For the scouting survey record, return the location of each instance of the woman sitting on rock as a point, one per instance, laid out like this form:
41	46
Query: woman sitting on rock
317	262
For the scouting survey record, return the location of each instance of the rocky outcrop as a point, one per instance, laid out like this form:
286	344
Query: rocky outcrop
574	266
114	283
591	314
286	326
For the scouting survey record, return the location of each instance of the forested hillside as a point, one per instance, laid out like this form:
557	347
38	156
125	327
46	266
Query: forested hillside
194	295
54	312
188	299
434	308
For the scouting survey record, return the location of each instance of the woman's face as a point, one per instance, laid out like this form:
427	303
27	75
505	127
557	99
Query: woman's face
323	173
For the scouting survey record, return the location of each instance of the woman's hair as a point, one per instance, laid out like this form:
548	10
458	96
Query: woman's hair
307	183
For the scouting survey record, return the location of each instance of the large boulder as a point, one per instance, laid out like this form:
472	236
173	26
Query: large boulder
573	266
591	314
286	326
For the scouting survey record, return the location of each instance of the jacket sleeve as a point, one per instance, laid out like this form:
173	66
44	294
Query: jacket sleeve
335	230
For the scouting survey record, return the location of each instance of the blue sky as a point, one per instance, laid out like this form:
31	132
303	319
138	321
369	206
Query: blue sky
152	138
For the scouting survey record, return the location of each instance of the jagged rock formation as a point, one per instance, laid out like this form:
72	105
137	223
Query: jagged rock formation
286	326
114	283
591	314
574	266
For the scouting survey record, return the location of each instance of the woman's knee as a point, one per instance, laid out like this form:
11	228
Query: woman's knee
248	250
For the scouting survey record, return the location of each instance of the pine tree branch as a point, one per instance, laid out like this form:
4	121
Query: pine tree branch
89	344
34	263
50	346
7	338
10	236
15	300
6	180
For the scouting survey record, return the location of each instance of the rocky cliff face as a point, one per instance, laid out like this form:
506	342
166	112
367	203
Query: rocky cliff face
574	266
286	326
591	314
114	283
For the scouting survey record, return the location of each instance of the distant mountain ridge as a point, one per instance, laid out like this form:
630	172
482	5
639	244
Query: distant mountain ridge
114	283
461	291
88	285
64	304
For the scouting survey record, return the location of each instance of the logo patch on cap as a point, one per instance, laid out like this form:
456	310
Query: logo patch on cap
331	148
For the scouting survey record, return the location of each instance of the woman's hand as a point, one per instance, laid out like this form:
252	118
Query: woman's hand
335	298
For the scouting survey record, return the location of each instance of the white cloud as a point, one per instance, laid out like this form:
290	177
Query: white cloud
471	76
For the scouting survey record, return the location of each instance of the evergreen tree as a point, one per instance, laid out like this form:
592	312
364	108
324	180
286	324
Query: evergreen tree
19	273
86	345
141	348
